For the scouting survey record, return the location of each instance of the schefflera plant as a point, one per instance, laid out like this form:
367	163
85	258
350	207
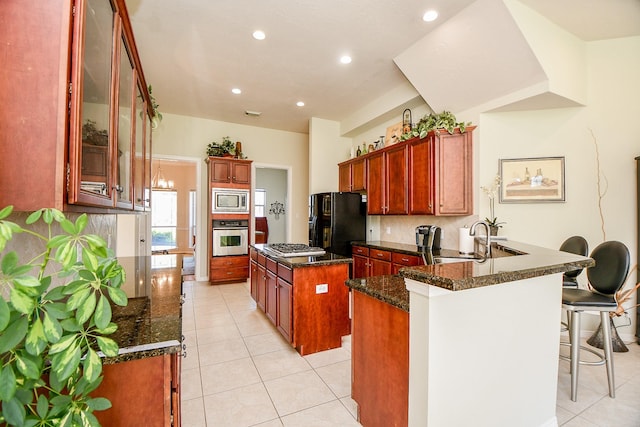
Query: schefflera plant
52	330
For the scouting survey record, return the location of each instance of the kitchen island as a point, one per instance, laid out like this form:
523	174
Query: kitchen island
303	296
143	381
482	338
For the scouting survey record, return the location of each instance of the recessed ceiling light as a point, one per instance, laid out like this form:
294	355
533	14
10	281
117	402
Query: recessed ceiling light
346	59
236	91
259	35
300	104
429	16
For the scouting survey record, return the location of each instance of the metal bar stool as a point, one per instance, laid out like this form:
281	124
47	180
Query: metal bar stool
606	278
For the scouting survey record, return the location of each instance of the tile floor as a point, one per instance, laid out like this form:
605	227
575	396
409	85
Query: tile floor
239	371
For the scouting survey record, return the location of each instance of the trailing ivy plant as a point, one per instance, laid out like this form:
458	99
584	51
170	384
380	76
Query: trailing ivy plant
445	120
52	330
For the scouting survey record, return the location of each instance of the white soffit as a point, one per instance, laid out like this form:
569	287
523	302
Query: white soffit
478	55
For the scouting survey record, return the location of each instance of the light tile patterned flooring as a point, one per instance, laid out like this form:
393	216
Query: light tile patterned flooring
239	371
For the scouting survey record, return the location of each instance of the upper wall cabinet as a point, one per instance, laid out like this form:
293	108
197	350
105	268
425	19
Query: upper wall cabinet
229	172
74	107
429	176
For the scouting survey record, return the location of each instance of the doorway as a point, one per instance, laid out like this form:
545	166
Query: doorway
271	191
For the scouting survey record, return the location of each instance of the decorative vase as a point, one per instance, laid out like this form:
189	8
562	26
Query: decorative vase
493	230
597	339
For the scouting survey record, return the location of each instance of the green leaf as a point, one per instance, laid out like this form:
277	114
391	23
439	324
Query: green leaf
13	411
21	302
95	241
118	296
102	315
47	216
82	222
73	287
42	408
109	329
57	310
99	404
89	260
68	226
6	211
92	366
52	328
36	340
71	325
65	363
64	343
57	241
26	281
86	309
7	383
27	366
5	314
14	333
9	262
77	299
108	346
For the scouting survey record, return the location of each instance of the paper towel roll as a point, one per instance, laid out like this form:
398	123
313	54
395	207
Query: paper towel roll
465	242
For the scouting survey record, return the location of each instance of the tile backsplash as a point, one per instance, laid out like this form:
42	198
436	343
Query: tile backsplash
401	228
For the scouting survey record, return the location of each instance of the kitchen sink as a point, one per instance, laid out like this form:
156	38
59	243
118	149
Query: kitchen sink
449	260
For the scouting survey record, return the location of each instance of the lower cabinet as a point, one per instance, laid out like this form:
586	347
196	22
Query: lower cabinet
293	299
399	260
380	262
143	392
370	262
229	268
380	362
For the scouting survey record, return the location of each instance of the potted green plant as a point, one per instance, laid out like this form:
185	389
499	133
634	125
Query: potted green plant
54	321
492	192
445	120
222	149
157	115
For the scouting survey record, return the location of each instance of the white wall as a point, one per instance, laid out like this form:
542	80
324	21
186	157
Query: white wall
274	182
326	149
189	136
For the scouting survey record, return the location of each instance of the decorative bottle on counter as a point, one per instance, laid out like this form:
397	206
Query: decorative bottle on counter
358	153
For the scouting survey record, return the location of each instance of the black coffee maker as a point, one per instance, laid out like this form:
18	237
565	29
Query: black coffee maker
428	238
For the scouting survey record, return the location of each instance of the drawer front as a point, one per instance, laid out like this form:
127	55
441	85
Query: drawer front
403	259
378	254
359	250
272	265
254	255
285	273
230	262
224	274
262	260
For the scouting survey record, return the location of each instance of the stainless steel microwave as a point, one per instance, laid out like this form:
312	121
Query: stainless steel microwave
229	200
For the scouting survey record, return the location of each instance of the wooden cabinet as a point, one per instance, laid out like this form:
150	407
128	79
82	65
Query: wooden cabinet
370	262
387	181
229	268
352	175
311	321
380	362
142	392
254	274
429	176
226	172
87	121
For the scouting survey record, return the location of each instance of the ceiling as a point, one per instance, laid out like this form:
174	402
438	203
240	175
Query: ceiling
195	51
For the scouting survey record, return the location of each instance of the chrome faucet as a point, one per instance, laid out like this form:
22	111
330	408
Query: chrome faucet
472	232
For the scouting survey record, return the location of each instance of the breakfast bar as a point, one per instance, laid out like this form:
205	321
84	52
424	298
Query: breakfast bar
473	325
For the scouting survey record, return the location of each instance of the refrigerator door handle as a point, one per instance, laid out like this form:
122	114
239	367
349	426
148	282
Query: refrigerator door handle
314	231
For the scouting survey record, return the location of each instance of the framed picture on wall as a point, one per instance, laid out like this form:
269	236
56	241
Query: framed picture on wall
531	180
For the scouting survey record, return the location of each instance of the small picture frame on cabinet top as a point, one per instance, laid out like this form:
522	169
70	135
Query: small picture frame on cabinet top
393	134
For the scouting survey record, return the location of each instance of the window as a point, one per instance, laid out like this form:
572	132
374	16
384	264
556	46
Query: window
164	219
259	202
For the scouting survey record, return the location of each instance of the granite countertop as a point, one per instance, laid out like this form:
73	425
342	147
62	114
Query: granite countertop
304	261
151	324
533	261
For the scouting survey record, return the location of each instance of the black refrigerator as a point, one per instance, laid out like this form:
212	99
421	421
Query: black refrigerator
336	220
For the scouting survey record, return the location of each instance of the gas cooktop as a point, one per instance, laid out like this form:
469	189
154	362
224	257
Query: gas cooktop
293	249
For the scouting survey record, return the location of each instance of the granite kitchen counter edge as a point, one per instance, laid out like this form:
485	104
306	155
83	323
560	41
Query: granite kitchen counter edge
535	261
304	261
389	289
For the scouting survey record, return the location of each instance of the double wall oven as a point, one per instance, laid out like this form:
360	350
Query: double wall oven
230	237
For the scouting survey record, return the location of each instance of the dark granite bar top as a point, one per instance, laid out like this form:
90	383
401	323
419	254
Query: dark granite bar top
151	325
533	261
304	261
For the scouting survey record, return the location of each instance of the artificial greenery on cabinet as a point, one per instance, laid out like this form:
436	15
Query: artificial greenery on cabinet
55	314
445	120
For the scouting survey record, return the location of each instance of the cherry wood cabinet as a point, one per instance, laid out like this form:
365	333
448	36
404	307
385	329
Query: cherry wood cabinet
229	268
87	121
143	392
352	175
311	321
380	362
428	176
228	172
370	262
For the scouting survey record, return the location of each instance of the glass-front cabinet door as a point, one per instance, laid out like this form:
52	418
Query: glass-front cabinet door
139	116
123	164
90	126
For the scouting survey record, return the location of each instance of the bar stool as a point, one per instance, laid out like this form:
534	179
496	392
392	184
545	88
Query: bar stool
606	278
575	245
